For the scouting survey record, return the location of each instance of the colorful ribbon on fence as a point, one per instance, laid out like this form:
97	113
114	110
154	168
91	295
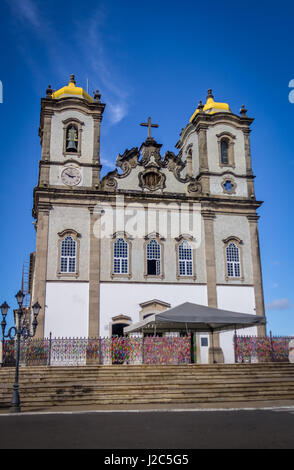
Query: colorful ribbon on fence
116	350
262	349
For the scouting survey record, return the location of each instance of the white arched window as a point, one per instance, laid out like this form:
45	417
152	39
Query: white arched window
153	258
233	260
185	258
68	255
120	257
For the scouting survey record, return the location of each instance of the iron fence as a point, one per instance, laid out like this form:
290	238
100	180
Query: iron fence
8	353
136	350
262	349
116	350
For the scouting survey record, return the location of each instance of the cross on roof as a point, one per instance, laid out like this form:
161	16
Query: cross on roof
149	125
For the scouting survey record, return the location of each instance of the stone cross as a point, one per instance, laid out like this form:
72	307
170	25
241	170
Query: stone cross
149	125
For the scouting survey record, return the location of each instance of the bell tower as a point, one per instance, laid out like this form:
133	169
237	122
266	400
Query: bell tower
69	180
70	138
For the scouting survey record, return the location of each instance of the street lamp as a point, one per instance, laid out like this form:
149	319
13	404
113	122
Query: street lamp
4	311
19	297
18	332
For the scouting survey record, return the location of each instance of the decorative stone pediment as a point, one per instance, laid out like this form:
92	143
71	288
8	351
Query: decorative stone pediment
152	179
150	150
151	172
128	160
175	164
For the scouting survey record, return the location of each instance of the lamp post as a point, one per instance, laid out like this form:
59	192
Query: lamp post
19	331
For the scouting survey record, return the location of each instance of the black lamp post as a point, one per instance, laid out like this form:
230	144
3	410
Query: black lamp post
19	332
4	310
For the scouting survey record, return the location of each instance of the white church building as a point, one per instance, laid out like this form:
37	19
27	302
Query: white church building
158	231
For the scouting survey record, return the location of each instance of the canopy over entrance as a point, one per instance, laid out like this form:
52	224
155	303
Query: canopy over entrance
189	316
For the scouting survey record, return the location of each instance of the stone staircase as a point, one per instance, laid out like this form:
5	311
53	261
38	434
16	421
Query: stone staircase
46	387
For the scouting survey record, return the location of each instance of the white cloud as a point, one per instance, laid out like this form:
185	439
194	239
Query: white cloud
100	64
94	58
117	112
279	304
107	163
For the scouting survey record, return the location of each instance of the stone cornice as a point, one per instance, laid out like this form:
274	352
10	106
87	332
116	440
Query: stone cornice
44	207
253	218
69	160
50	106
202	120
184	134
225	172
95	210
69	102
90	197
96	193
208	214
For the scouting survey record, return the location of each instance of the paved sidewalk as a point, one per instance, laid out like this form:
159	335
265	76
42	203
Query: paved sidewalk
256	405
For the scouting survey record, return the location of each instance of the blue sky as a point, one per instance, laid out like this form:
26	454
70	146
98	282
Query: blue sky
158	59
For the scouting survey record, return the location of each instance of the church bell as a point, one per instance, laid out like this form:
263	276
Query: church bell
71	146
72	139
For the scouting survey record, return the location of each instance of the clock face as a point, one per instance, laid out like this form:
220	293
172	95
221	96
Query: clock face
71	176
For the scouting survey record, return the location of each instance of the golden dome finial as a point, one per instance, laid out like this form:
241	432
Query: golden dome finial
71	90
211	107
72	80
210	95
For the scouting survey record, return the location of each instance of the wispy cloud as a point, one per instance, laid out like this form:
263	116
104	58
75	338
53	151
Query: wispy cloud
26	10
33	32
101	66
94	55
117	112
107	163
274	285
279	304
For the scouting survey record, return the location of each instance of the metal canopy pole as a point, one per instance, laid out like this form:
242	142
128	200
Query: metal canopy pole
235	345
213	358
192	348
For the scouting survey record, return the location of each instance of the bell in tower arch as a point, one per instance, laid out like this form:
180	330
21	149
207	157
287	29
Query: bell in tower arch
72	139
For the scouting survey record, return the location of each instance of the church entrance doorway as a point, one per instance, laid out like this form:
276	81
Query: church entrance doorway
118	329
119	344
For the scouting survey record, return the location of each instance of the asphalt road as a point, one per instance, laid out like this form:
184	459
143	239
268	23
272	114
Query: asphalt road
221	429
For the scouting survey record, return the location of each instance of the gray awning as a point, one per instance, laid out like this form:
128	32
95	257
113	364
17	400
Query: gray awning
189	316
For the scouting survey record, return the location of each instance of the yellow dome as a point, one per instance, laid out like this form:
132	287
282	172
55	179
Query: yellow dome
72	90
211	106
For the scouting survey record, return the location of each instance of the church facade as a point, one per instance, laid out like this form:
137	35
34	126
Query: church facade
157	231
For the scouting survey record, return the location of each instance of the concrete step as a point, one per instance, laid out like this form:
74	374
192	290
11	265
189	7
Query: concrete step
213	381
113	368
211	398
127	371
144	378
74	391
45	387
235	395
